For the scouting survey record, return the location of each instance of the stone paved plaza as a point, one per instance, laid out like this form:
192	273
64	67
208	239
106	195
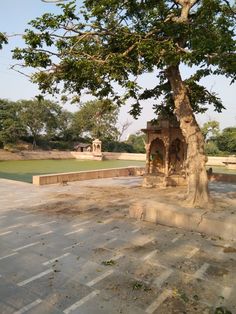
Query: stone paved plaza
101	261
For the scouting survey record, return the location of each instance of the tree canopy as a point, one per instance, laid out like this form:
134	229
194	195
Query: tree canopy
90	48
102	44
226	141
39	115
210	129
11	126
137	141
46	124
97	119
219	142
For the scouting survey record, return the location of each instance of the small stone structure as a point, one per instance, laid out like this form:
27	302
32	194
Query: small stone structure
166	152
82	147
97	150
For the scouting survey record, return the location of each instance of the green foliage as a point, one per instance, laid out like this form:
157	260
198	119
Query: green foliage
61	145
89	48
45	124
64	125
137	141
39	115
97	119
3	39
137	285
210	129
211	149
226	141
134	144
27	120
11	126
119	147
219	143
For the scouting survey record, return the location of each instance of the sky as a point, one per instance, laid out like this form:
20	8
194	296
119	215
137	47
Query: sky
14	15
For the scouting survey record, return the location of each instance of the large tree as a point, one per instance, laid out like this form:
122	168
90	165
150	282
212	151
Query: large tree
137	141
97	119
210	129
226	141
39	116
64	125
11	126
110	41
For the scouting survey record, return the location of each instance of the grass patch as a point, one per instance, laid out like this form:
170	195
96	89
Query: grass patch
23	170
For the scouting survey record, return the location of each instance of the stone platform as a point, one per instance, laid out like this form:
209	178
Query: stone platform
72	249
161	181
198	220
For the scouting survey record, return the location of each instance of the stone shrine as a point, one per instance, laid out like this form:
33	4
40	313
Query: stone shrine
97	150
166	152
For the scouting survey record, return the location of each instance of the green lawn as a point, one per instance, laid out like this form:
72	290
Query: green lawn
23	170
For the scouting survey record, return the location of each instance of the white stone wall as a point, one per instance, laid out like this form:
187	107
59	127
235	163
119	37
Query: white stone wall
54	154
219	161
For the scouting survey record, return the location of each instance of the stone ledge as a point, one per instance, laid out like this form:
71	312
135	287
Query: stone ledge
187	218
109	173
87	175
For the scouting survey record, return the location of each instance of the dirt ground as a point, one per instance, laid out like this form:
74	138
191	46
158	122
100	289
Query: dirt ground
119	198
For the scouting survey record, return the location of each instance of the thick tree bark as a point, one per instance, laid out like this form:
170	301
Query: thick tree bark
198	193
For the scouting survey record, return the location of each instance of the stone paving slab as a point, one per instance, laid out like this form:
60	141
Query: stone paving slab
113	265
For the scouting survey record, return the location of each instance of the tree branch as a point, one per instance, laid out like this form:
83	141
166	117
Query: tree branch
13	68
186	7
230	7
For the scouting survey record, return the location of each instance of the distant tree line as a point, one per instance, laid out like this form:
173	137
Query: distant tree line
219	142
44	124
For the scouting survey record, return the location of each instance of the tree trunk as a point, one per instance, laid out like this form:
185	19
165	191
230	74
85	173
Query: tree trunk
34	141
198	193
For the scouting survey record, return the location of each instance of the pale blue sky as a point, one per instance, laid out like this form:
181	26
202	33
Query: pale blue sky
14	15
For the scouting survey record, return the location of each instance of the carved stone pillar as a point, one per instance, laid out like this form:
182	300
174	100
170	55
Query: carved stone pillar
167	147
147	147
97	149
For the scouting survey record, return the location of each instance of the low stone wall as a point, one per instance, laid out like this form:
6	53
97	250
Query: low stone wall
124	156
5	155
111	156
187	218
87	175
82	155
36	155
54	154
220	161
212	161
